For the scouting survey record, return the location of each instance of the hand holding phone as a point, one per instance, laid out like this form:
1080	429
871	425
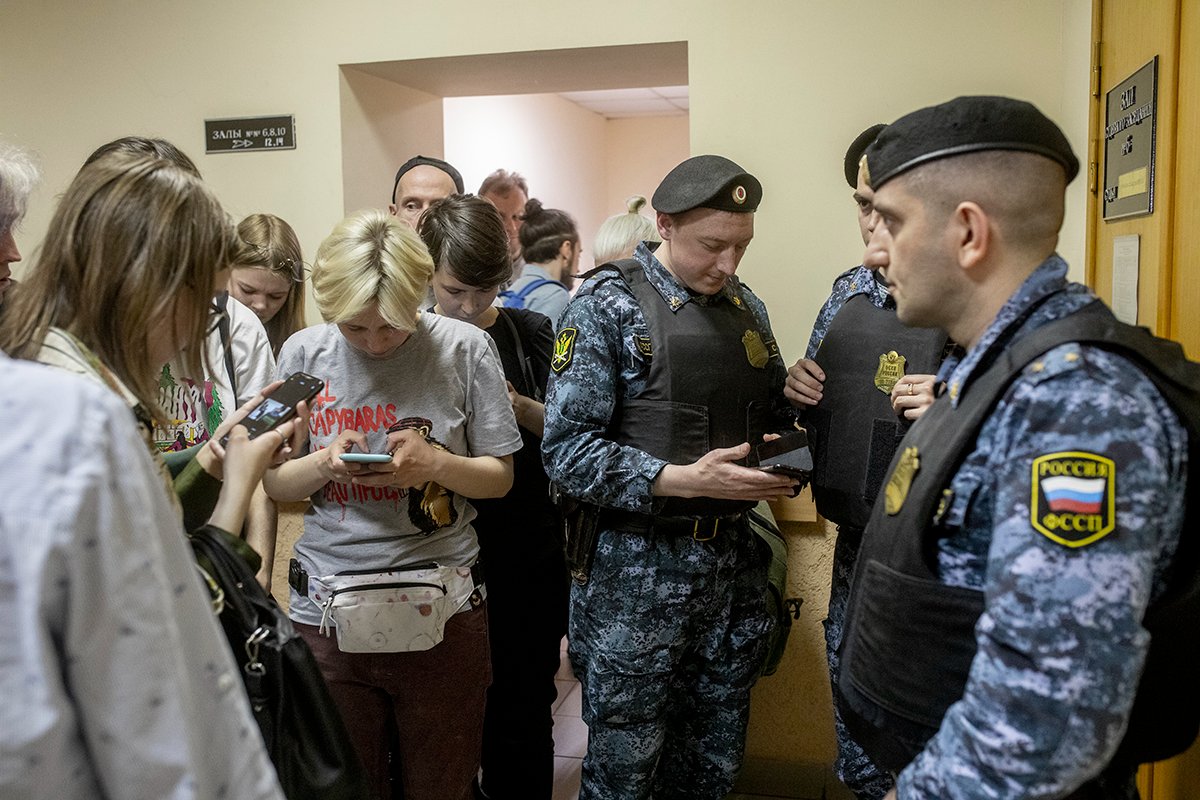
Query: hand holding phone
281	405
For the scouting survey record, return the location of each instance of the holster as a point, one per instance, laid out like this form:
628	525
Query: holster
580	532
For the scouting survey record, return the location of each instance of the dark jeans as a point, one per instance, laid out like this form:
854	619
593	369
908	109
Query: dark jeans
424	709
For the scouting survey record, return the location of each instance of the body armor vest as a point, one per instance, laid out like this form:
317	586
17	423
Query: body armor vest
910	639
853	430
702	391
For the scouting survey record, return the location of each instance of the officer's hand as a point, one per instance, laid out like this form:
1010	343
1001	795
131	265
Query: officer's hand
912	394
805	383
718	475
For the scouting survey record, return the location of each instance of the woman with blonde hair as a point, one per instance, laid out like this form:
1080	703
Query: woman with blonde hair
620	234
269	278
387	560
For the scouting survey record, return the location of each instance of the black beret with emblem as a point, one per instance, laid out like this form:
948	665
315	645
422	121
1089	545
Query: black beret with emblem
966	125
707	182
857	148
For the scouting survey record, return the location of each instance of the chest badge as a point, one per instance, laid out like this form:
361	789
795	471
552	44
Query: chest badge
898	485
564	349
890	370
1072	498
756	351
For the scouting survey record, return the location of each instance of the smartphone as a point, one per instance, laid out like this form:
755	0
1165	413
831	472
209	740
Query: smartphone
366	458
789	454
281	405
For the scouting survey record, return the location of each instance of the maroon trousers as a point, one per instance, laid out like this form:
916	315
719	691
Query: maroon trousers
419	714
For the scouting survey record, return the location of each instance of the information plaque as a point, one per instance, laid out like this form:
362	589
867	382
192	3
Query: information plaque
1129	133
249	134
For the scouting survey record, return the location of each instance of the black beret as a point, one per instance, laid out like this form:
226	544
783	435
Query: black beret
418	161
707	182
857	148
966	125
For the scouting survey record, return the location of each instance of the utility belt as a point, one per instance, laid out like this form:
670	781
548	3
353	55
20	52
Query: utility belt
395	610
702	529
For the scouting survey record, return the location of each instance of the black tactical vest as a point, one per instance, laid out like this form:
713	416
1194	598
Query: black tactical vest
702	392
910	639
853	430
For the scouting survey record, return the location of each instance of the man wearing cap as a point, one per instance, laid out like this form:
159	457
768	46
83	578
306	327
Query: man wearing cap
997	624
420	182
863	380
665	373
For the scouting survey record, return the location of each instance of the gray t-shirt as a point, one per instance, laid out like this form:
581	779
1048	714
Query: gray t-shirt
446	380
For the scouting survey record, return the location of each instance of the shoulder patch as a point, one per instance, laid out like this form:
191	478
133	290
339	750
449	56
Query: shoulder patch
564	349
1073	497
643	345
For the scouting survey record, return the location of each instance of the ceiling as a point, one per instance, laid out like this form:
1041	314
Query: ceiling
596	78
657	101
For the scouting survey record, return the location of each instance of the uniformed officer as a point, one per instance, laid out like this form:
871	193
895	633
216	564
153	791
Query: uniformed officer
665	373
997	625
864	378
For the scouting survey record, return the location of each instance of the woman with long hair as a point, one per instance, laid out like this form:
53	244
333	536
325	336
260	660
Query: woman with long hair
269	277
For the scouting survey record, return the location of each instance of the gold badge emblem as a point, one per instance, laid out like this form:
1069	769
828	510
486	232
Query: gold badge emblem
864	169
1073	498
756	352
739	194
891	369
564	349
898	485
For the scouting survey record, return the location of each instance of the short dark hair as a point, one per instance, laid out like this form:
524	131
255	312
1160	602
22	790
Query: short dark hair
544	231
466	236
502	182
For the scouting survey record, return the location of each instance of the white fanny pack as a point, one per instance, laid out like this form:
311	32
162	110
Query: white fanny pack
393	611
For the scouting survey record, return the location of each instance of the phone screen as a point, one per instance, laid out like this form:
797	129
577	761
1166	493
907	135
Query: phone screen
281	405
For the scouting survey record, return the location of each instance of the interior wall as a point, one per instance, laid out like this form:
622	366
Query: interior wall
639	152
782	90
383	125
556	145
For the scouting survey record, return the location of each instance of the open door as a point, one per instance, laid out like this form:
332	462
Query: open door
1126	37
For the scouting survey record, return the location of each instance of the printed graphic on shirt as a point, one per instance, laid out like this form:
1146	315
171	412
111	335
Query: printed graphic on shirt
564	349
1073	497
194	410
429	507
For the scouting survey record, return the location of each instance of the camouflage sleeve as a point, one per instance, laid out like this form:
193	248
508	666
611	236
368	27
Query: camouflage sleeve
589	375
1087	487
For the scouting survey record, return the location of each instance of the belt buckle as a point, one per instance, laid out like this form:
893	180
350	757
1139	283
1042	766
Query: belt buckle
698	535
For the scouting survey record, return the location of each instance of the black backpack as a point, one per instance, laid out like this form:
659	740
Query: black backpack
301	726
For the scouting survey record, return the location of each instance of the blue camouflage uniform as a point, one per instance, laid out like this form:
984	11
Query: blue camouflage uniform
1060	642
668	633
852	766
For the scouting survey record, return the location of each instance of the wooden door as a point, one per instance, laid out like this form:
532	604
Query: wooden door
1127	34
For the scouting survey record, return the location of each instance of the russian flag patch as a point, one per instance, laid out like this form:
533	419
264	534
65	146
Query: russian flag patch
1073	497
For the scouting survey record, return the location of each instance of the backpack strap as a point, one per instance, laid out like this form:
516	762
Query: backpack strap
517	299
